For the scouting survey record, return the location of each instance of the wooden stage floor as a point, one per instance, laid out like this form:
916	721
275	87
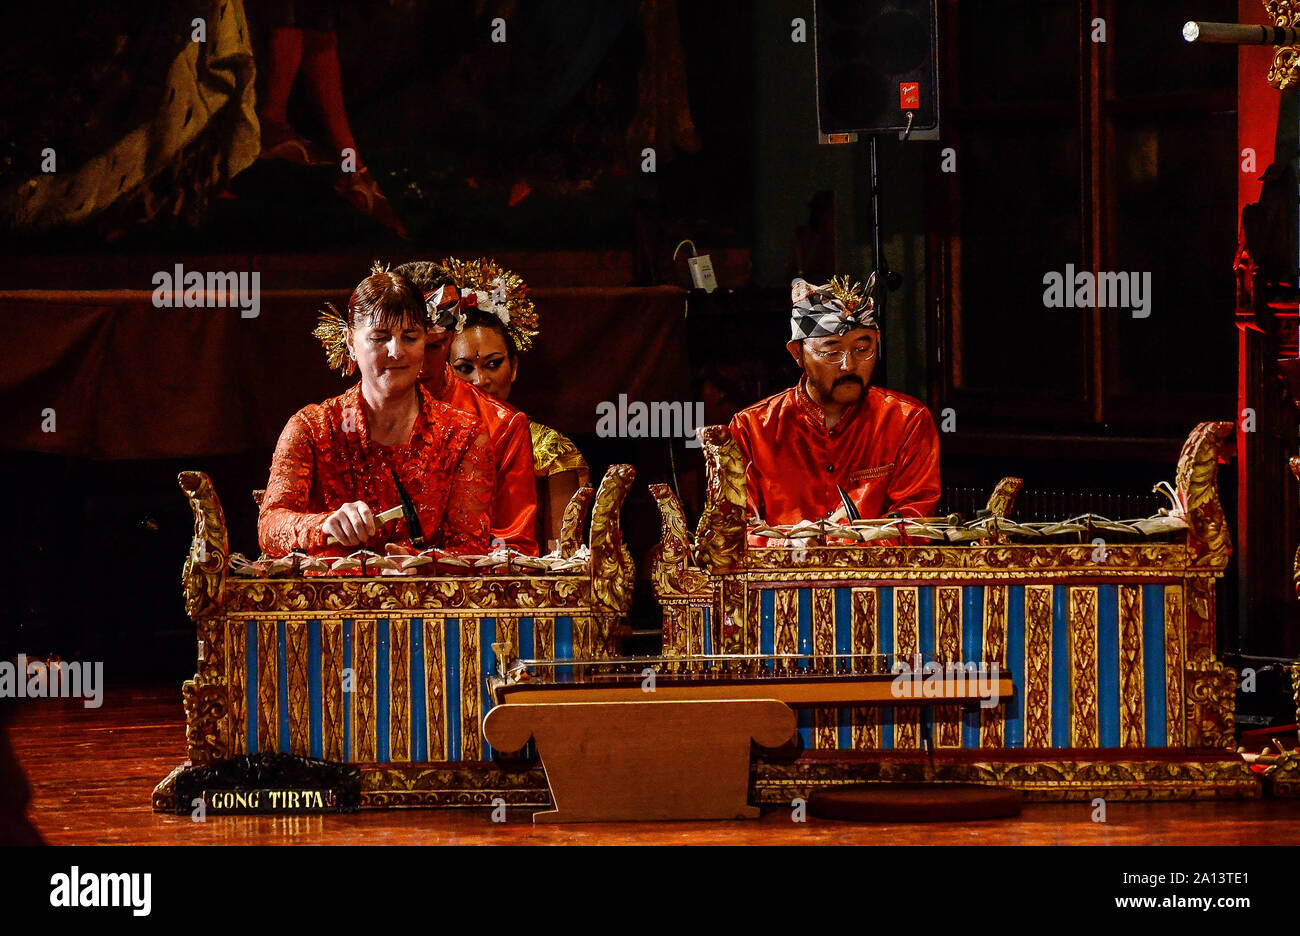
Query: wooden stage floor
92	772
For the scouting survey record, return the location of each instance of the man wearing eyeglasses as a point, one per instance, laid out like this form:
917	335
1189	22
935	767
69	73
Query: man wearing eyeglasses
833	430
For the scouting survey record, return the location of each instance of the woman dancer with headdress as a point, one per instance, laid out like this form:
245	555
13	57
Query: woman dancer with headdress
514	508
498	324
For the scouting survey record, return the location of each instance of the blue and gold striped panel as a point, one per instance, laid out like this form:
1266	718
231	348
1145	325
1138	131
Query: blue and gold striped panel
315	695
377	689
250	685
803	630
451	662
767	622
1013	710
282	686
349	682
382	676
1108	704
926	644
487	629
563	642
1061	670
885	604
972	649
419	706
844	644
1093	666
1089	663
1153	666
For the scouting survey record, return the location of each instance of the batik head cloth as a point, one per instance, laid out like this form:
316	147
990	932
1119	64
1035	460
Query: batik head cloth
836	308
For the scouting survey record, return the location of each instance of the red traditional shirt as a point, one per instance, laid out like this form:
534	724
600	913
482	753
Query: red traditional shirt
326	458
514	508
884	452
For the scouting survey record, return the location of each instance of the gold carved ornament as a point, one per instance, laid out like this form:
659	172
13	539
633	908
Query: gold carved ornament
1295	688
1196	480
1003	497
1041	780
612	572
1285	68
575	516
335	594
674	579
1295	668
206	736
670	562
1000	503
720	534
1295	565
204	574
976	564
1211	704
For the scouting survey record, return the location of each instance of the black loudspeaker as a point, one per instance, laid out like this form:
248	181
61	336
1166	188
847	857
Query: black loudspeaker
877	62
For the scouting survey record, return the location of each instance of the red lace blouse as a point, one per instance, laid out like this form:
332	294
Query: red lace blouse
326	458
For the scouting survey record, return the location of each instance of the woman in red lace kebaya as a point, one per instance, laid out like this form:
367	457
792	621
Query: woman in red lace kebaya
339	463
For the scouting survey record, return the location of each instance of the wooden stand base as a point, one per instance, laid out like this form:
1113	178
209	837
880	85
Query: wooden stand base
612	761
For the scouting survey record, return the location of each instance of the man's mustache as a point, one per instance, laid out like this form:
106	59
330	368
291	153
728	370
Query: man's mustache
848	378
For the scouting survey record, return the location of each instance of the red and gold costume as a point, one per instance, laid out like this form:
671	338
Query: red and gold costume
514	510
884	452
326	458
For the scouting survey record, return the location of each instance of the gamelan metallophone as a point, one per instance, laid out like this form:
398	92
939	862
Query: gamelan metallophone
385	669
1107	631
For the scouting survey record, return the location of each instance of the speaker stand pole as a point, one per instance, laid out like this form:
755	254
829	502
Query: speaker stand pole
886	280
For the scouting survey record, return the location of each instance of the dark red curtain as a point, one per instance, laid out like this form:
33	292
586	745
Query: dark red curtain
127	380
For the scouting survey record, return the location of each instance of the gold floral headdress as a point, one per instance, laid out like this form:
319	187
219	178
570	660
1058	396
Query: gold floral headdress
501	293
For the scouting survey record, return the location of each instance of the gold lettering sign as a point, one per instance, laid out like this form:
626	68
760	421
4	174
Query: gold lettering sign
268	801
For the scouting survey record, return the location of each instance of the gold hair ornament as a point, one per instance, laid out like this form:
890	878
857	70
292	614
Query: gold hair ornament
333	334
501	293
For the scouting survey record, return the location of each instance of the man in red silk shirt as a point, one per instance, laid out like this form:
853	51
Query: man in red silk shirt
834	428
514	508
